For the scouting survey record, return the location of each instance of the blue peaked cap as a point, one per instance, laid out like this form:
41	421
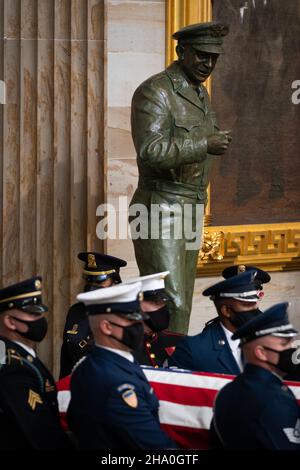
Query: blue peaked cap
243	287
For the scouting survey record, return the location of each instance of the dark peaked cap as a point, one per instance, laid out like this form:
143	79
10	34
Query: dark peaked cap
261	276
98	266
25	295
242	287
206	37
274	321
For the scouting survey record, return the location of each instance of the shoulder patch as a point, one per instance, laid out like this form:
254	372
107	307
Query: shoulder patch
128	394
130	398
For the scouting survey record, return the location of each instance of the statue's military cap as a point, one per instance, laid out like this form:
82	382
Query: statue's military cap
274	321
99	267
243	287
123	299
206	37
25	295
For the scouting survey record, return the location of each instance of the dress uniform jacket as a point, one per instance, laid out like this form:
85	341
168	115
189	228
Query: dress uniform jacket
29	416
170	122
157	348
208	351
256	411
113	405
77	339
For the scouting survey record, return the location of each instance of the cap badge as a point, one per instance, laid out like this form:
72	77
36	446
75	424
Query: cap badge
92	261
241	268
37	284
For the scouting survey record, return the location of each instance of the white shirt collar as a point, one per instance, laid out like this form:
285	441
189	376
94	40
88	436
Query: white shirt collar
27	348
233	343
126	354
234	346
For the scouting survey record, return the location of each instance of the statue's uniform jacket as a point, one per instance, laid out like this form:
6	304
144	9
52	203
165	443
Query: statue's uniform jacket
170	126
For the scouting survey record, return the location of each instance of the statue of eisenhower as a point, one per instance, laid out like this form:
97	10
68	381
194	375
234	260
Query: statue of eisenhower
177	139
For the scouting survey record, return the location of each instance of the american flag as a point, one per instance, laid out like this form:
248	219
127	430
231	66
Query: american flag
186	402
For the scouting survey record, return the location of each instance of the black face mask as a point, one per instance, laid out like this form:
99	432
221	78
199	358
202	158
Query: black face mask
287	361
132	335
159	319
37	329
240	318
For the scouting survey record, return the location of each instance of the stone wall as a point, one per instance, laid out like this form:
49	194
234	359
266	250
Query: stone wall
136	50
52	145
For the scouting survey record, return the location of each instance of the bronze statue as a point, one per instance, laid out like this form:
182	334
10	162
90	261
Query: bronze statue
177	138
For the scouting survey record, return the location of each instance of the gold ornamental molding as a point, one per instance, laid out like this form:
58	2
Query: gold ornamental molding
273	247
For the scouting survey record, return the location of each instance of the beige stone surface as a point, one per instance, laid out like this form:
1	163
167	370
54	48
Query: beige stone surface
126	71
122	180
120	144
136	50
136	27
119	118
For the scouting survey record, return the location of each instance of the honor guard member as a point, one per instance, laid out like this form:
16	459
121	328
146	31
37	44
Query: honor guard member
99	271
262	276
29	416
214	350
158	343
257	410
112	403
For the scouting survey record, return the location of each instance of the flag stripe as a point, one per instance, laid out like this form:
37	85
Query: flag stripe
187	378
184	395
197	417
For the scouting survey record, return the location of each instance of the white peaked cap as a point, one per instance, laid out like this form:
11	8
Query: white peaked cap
151	281
121	293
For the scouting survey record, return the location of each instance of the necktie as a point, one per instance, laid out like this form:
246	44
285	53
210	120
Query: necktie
199	92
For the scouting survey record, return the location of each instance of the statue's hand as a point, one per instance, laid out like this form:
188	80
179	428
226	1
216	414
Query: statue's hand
217	143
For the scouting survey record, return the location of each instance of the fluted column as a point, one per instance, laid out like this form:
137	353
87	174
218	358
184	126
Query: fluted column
52	146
